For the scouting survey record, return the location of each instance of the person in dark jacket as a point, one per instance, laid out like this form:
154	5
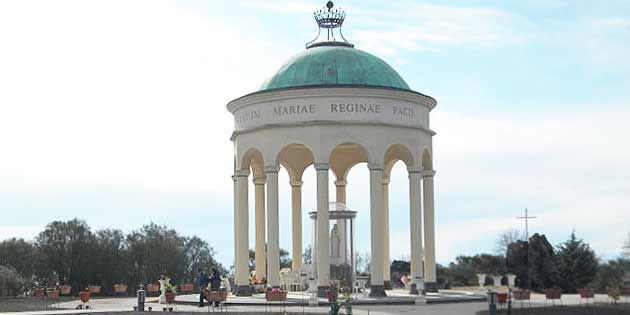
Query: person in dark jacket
215	282
202	283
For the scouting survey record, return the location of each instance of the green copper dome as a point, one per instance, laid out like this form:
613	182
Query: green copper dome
335	65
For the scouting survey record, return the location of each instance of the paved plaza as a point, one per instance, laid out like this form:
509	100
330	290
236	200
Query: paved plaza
256	305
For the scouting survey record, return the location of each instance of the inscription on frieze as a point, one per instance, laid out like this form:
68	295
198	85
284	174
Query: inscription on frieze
268	113
247	116
355	108
293	110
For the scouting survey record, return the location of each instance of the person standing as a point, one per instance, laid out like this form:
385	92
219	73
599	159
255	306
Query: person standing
202	283
215	282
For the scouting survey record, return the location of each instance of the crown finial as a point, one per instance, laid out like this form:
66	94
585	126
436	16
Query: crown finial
330	19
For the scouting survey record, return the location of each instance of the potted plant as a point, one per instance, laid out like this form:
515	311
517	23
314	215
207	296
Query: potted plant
94	289
153	288
39	293
53	294
120	288
65	289
332	293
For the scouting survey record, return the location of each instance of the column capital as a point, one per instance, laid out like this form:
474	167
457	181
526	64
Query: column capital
321	166
341	183
386	181
375	167
428	173
241	173
272	169
414	169
296	183
259	181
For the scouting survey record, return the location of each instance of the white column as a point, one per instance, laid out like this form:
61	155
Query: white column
235	218
273	236
323	236
386	258
296	217
429	227
415	177
261	259
376	224
340	186
341	190
242	235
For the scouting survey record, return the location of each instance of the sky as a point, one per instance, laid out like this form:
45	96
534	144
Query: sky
115	112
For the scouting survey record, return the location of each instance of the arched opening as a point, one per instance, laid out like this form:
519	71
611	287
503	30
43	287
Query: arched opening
396	207
294	159
251	168
343	158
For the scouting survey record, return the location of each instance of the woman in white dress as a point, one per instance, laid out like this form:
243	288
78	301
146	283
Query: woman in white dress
165	282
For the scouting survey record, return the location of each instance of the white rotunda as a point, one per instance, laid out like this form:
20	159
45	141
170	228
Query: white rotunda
332	106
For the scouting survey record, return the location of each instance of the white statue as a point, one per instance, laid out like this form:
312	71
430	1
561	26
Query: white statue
335	247
165	283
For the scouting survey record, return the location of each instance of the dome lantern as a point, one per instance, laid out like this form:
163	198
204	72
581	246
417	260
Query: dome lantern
329	19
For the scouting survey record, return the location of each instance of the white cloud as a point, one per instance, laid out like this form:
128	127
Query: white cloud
132	94
409	26
570	168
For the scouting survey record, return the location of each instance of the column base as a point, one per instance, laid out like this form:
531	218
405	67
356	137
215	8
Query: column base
431	287
387	285
243	290
414	289
321	291
420	300
377	291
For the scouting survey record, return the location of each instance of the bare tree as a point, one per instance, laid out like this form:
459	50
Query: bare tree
506	238
625	250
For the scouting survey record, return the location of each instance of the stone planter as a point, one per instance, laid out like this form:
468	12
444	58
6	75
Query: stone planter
120	288
511	280
153	288
53	294
521	295
502	298
170	297
39	293
553	294
66	289
481	278
586	293
332	295
94	289
84	296
496	280
186	288
275	295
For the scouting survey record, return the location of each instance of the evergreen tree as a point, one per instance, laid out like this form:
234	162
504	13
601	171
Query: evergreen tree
577	264
517	262
542	263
